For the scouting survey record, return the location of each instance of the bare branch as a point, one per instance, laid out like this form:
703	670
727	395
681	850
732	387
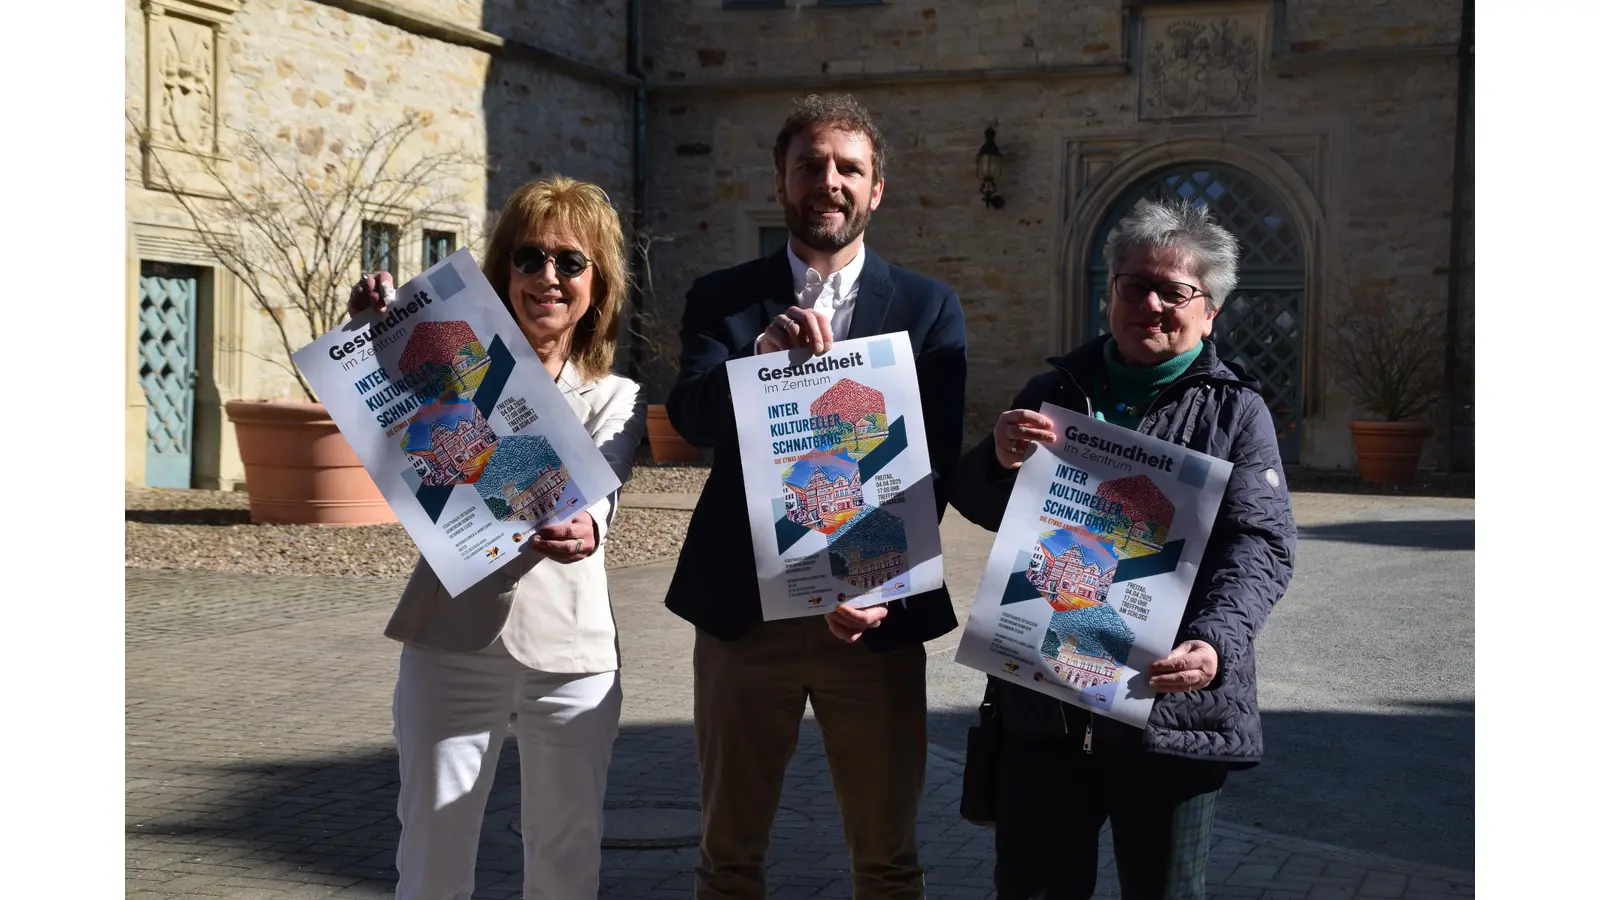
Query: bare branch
1387	352
288	225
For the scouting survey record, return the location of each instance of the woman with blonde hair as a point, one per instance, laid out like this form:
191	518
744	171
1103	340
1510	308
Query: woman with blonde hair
533	647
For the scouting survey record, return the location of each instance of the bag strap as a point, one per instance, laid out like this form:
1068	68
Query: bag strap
988	708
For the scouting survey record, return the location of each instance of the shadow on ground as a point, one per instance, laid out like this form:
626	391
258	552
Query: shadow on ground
1356	780
1336	481
1444	534
188	516
1400	785
1397	784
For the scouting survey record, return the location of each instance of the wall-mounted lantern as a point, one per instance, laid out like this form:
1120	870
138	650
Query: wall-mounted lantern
989	171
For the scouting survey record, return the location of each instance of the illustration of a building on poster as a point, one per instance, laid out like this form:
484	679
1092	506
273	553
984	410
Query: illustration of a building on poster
822	491
870	551
837	478
527	481
457	421
1092	567
448	443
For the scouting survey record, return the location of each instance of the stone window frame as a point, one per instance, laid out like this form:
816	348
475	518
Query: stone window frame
747	235
433	234
1095	172
392	262
409	229
224	364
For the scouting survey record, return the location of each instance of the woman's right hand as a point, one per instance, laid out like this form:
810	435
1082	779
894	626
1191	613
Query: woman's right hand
1015	433
371	292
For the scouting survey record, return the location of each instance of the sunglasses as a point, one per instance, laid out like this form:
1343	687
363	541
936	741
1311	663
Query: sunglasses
530	260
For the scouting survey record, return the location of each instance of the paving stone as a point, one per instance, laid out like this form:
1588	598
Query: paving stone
260	764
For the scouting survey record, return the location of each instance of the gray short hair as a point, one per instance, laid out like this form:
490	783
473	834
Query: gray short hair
1188	228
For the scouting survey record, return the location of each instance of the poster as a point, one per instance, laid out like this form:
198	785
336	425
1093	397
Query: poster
836	476
1092	567
457	421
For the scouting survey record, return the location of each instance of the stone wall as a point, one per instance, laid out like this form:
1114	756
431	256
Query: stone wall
1344	108
312	80
1356	131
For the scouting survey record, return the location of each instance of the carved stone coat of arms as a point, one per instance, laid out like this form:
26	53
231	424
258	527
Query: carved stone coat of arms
1204	68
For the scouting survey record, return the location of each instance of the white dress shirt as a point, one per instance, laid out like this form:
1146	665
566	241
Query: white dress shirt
832	297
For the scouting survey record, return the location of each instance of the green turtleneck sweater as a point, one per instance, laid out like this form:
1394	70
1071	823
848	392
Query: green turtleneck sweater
1126	392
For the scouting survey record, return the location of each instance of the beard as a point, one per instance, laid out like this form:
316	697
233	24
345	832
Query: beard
815	233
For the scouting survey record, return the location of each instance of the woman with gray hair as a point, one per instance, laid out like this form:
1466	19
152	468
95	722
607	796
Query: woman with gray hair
1063	771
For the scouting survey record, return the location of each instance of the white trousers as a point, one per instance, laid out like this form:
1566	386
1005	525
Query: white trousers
452	711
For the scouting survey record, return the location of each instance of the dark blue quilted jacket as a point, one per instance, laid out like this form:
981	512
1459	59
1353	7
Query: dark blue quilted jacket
1217	409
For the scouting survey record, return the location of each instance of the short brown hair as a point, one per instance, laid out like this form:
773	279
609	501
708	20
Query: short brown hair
584	210
841	111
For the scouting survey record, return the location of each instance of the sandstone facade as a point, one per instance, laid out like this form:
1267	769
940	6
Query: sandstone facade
1341	113
1337	117
313	79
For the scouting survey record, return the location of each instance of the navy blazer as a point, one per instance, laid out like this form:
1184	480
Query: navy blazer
715	586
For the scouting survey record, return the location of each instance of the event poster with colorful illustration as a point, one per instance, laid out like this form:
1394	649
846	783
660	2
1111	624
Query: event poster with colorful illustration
457	421
836	475
1092	567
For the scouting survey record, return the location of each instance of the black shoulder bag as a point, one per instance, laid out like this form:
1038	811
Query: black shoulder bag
983	763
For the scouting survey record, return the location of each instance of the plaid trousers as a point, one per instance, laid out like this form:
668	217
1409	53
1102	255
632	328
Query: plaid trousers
1052	799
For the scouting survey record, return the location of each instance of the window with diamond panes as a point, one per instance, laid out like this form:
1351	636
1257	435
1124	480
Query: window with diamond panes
1262	322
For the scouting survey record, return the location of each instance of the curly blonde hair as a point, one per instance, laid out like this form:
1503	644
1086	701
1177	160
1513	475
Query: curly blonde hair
583	210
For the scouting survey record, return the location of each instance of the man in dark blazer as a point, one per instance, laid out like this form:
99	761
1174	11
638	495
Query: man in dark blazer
862	670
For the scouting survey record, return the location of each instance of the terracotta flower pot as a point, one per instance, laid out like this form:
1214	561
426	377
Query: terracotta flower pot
666	445
300	470
1388	451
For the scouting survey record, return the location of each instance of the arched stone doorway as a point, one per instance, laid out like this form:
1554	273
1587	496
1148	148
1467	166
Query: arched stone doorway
1263	322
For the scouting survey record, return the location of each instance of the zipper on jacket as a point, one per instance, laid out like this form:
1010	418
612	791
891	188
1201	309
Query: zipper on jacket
1088	736
1150	411
1088	404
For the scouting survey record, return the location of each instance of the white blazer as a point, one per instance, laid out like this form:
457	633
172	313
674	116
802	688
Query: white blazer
552	617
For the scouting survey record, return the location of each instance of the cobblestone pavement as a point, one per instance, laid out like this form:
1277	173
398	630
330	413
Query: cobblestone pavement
260	764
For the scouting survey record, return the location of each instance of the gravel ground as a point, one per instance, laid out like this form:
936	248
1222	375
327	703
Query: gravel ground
668	479
211	530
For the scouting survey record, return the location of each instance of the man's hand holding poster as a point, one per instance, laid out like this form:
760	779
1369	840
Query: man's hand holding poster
836	476
1092	567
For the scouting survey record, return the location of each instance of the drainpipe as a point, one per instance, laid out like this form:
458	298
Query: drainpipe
1455	420
636	69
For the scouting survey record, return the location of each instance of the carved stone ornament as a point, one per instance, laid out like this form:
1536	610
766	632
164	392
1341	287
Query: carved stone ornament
186	66
187	90
1202	67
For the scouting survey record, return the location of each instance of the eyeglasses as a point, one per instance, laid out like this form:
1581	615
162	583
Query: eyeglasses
1172	294
530	260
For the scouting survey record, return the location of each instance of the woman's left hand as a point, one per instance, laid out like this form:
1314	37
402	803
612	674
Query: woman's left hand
1189	667
568	542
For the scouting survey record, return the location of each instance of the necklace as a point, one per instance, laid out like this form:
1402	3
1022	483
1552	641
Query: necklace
1127	409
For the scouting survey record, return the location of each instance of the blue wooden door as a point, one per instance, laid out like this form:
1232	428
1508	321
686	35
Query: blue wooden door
167	370
1261	324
